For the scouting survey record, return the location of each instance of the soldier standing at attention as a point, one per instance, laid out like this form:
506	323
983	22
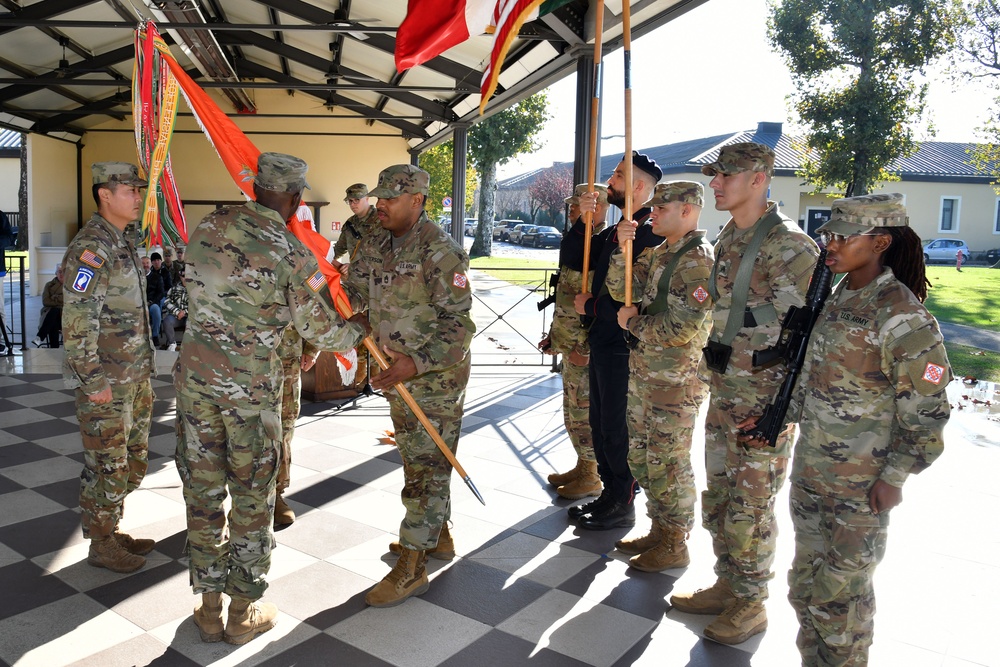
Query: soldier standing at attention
567	337
669	326
872	407
361	224
763	263
248	279
109	361
614	508
414	278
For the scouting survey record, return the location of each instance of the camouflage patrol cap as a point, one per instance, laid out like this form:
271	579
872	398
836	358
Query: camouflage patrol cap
746	156
279	172
600	188
861	214
357	191
116	172
401	179
686	192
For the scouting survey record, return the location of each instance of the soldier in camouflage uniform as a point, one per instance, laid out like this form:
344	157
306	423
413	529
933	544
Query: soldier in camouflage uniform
569	338
872	407
248	279
363	222
738	506
414	278
109	362
670	326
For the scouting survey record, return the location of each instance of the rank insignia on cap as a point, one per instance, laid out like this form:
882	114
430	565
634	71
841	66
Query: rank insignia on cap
316	281
700	295
82	280
933	373
460	281
89	258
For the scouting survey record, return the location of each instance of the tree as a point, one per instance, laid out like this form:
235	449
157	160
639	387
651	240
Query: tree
493	142
855	64
437	162
980	46
550	188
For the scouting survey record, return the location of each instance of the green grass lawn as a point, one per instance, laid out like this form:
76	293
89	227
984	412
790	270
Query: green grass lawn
971	297
516	271
980	364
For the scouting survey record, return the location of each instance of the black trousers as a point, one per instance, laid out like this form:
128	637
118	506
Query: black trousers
51	326
608	403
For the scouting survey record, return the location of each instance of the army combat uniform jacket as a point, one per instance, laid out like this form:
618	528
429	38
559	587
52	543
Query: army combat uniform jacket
566	333
354	231
871	399
105	314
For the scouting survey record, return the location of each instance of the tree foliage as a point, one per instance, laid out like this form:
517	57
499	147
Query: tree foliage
549	190
980	46
855	64
438	162
493	142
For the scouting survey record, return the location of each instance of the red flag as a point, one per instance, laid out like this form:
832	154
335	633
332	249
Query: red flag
431	27
509	17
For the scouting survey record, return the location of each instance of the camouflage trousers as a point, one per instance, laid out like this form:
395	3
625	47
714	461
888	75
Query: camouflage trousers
218	448
426	491
738	505
838	544
661	422
291	403
576	408
115	451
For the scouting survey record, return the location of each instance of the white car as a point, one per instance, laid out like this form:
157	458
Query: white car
945	250
514	235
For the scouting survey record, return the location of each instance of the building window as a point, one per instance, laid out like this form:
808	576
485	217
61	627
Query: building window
950	208
996	217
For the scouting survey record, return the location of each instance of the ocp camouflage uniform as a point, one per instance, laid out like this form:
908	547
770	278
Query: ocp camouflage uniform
108	343
664	390
248	279
354	231
419	300
290	351
738	506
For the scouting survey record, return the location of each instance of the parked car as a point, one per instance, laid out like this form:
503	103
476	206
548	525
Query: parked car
945	250
501	229
993	256
542	237
470	226
514	236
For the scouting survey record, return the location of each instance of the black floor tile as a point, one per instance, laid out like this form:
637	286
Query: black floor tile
330	617
500	648
323	650
392	456
640	593
477	591
23	452
62	409
6	485
26	389
142	580
43	535
26	586
323	491
159	428
50	428
594	541
65	492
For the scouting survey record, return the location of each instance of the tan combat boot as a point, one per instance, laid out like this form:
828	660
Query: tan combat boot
283	514
445	549
669	553
107	552
139	547
588	483
743	619
713	600
557	479
249	618
208	617
408	578
637	545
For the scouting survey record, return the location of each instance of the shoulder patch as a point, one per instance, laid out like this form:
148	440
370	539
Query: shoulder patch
933	373
316	281
82	281
90	258
460	281
700	294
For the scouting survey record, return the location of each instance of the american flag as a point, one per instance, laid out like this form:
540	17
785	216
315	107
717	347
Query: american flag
91	259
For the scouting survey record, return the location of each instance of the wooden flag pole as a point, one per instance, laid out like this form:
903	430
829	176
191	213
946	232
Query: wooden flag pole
629	208
595	115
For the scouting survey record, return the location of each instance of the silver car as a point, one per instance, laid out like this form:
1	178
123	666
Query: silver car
945	250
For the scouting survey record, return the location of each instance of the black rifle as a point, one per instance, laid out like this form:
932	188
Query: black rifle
791	348
551	298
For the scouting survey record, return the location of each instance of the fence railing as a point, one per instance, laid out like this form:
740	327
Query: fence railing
13	318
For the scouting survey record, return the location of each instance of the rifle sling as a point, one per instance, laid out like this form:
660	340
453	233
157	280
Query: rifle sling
659	304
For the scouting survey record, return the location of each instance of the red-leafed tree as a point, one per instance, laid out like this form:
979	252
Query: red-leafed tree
548	190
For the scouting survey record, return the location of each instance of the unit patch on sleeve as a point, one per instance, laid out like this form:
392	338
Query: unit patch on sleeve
91	259
83	278
700	294
316	281
933	373
460	281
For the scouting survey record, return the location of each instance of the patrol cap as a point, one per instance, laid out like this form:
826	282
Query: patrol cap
861	214
746	156
600	188
155	256
116	172
644	163
401	179
686	192
279	172
357	191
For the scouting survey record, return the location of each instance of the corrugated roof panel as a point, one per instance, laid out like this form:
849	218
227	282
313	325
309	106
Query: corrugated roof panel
10	139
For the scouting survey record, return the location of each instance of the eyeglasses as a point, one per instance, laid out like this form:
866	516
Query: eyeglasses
826	237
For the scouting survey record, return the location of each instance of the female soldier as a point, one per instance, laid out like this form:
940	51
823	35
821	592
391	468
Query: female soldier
872	408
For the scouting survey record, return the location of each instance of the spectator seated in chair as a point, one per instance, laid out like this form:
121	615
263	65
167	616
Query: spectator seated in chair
51	316
154	295
176	310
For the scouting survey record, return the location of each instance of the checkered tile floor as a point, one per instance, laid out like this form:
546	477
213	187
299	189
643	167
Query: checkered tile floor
527	588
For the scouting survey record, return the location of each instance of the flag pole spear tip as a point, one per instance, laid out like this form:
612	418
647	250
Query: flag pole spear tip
475	491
